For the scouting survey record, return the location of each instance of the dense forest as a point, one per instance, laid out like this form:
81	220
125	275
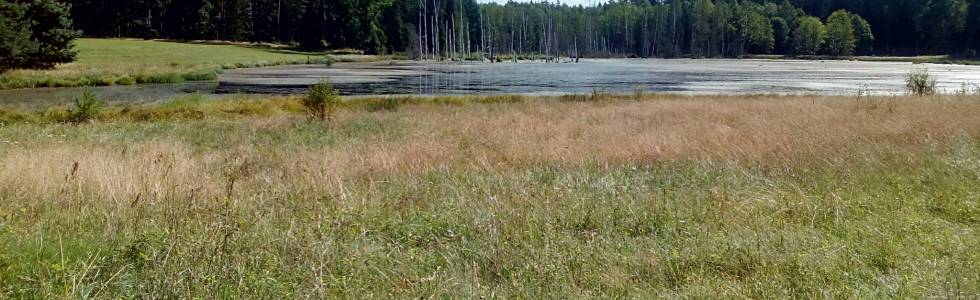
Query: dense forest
448	28
464	29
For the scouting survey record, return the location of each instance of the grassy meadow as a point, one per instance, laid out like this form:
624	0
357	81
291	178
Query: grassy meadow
637	196
126	62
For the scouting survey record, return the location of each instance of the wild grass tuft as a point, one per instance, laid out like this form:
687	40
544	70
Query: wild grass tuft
86	108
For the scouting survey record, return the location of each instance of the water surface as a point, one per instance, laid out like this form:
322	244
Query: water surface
705	76
714	76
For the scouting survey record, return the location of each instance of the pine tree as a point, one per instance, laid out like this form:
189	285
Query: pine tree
36	34
15	35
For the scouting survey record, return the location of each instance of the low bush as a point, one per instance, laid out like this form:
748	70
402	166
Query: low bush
85	109
920	82
321	101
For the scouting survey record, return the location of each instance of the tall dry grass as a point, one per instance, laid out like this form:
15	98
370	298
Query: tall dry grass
763	130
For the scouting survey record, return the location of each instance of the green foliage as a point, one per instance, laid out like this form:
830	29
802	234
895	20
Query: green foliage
615	28
322	101
35	34
15	35
809	36
840	34
702	27
781	35
86	108
920	82
864	37
758	32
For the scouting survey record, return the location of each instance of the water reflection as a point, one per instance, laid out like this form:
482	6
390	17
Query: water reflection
717	76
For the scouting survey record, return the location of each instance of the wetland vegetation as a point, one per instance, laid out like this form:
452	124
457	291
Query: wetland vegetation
505	196
574	188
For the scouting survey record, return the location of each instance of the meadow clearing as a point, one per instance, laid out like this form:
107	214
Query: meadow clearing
634	196
127	61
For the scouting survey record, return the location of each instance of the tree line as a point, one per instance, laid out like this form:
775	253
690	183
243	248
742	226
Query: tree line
458	29
646	28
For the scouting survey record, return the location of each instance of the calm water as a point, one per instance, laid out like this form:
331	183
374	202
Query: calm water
608	75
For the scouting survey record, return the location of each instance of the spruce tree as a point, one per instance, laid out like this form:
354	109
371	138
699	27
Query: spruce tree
35	34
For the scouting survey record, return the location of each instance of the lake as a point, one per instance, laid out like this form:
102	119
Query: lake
703	76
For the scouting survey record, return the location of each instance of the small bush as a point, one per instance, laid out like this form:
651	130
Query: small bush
86	108
920	83
321	101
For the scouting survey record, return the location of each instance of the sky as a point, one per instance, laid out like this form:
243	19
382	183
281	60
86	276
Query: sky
569	2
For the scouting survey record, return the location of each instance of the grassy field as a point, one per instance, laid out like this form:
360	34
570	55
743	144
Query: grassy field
500	197
125	62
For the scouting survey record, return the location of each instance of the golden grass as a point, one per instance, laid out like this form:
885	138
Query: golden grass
536	132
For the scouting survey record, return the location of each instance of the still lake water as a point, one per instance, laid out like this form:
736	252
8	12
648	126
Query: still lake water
705	76
711	76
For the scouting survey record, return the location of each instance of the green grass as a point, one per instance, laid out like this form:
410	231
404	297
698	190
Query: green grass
126	62
427	198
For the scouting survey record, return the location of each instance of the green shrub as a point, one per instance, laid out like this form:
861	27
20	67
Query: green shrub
86	108
321	101
920	83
